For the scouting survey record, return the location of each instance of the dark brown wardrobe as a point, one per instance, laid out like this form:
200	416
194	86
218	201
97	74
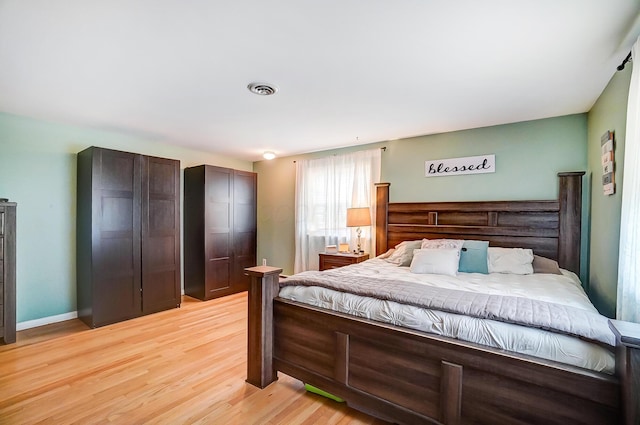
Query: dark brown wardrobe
128	235
219	230
8	271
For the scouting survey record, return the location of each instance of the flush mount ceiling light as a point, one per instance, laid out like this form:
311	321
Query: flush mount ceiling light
262	89
268	155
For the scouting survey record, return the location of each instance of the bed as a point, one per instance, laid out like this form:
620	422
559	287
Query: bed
409	376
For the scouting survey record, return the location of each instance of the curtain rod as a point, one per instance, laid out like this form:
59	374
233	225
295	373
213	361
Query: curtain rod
383	149
624	62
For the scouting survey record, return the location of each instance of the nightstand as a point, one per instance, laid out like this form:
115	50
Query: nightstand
334	261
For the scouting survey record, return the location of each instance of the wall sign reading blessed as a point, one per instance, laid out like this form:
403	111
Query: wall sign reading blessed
458	166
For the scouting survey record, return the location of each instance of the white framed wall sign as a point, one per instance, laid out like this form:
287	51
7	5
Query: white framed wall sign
458	166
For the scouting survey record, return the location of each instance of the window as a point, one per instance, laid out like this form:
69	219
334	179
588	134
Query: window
325	188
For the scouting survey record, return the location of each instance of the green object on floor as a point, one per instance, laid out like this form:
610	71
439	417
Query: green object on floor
318	391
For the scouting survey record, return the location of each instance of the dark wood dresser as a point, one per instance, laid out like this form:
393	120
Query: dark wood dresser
8	272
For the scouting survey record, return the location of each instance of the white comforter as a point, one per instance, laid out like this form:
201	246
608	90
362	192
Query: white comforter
561	289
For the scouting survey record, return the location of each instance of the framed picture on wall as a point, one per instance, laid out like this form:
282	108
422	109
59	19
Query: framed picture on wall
608	163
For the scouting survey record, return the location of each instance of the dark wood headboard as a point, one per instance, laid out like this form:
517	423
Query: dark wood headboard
550	228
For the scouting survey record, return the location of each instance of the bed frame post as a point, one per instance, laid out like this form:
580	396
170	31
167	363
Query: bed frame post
570	219
628	367
382	211
263	288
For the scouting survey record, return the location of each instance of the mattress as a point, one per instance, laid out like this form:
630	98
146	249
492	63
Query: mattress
563	289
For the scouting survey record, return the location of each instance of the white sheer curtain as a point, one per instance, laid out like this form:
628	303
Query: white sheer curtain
325	188
628	305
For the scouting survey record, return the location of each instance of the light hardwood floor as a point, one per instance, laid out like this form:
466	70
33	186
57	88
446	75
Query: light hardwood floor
182	366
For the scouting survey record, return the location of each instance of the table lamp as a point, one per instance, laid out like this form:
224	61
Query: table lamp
358	217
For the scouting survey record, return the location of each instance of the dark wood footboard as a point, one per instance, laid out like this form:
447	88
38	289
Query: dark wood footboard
411	377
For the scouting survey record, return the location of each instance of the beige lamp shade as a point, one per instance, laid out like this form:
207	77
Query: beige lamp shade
357	217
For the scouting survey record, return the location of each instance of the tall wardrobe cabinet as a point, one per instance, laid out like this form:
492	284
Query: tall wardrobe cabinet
219	230
128	235
7	271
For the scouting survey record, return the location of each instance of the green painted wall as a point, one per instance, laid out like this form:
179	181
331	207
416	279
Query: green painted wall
608	113
38	171
528	157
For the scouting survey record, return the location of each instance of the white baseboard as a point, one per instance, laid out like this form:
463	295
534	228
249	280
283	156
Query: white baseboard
20	326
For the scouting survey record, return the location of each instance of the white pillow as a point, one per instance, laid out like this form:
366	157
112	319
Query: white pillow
436	261
442	243
510	260
403	253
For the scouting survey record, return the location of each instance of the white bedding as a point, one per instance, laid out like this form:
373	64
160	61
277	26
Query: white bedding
562	289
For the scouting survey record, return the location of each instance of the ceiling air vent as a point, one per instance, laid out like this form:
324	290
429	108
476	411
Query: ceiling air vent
262	89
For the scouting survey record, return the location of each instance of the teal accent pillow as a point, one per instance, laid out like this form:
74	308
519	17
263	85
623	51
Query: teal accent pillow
473	257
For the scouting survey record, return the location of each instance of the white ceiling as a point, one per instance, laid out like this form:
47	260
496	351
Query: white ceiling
348	71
